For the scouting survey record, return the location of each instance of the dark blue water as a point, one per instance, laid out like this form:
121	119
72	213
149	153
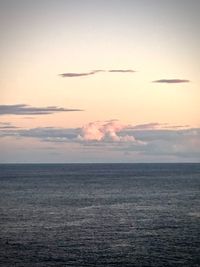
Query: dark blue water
100	215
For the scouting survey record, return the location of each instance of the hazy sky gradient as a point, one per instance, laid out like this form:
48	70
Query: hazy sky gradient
87	40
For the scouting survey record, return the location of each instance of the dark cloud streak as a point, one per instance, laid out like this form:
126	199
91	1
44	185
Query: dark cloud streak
23	109
77	74
74	74
146	126
7	125
171	81
123	71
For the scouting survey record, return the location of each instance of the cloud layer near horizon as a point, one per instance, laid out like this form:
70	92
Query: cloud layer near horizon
23	109
143	140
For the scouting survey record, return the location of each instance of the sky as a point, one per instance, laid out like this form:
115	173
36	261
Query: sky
99	81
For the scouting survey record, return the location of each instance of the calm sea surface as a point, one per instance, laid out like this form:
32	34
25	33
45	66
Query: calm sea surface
100	215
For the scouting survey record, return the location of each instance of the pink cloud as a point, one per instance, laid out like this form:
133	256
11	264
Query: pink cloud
99	131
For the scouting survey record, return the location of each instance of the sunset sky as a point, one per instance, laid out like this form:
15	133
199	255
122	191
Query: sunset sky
99	81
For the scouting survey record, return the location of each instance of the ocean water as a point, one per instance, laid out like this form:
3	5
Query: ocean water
100	215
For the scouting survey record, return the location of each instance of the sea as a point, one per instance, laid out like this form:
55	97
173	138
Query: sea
99	215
